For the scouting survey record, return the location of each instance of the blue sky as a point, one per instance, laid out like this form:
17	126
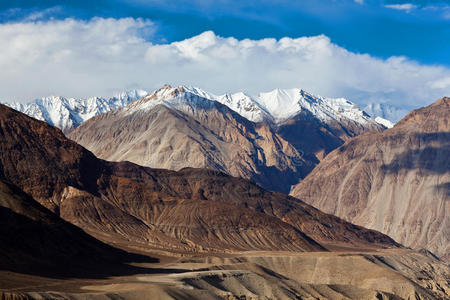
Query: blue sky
369	51
421	33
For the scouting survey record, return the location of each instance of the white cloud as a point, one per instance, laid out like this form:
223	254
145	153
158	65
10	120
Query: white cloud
100	56
42	14
359	1
406	7
443	83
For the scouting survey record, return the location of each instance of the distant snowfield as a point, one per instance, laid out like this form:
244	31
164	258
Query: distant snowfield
69	113
275	106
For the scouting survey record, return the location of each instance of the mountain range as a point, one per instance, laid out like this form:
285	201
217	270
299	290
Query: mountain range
396	181
178	127
191	210
67	212
275	106
68	113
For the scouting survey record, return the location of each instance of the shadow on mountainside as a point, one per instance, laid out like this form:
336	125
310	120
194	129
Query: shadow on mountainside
35	241
431	158
62	250
445	187
309	136
273	179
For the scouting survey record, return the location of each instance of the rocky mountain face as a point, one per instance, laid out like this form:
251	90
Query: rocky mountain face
68	113
142	208
273	144
34	239
396	181
174	129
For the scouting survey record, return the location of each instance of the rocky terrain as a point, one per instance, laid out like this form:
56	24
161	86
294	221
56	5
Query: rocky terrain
35	240
388	274
396	181
215	236
193	132
191	210
274	145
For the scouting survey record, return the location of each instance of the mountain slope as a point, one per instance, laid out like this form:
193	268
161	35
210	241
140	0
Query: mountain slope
286	119
35	240
174	128
182	127
68	113
312	124
396	181
280	105
192	210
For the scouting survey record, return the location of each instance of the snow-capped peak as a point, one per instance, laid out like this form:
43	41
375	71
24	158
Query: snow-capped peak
284	104
275	106
384	122
68	113
167	92
182	98
245	106
281	104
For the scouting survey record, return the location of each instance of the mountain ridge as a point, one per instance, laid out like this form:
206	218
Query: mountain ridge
69	113
177	127
35	240
395	181
192	210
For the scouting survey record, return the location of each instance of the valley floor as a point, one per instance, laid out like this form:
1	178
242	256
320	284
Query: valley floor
382	274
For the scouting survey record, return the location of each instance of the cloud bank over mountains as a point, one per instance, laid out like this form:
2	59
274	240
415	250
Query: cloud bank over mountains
102	55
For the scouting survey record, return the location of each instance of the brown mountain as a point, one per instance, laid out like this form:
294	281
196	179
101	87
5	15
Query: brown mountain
315	138
396	181
33	239
174	128
138	207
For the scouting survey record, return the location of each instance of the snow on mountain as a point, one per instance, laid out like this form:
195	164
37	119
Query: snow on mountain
384	122
68	113
275	106
280	105
245	106
386	111
284	104
181	98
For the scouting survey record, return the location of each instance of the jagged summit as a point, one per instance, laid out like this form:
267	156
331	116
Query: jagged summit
69	113
276	106
246	106
273	107
284	104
